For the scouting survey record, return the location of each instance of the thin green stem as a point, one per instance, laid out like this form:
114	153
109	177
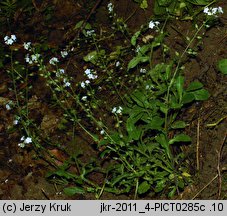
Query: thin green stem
175	73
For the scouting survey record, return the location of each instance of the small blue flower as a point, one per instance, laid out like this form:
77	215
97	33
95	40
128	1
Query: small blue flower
53	60
64	53
10	40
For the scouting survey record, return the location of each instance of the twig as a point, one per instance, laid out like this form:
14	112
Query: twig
197	145
218	175
35	6
218	166
216	123
205	186
45	194
87	18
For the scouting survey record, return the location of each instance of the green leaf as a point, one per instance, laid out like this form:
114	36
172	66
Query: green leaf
119	178
158	73
80	23
160	185
144	4
65	174
103	142
188	98
133	131
138	97
158	40
194	86
159	10
143	187
142	51
161	175
168	71
178	125
162	140
199	2
222	66
165	3
174	105
115	137
90	56
156	123
94	56
201	94
164	108
180	138
179	86
116	53
104	153
172	192
70	191
136	60
134	38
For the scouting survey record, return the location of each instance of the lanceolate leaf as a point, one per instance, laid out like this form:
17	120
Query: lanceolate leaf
134	38
162	140
178	125
200	2
70	191
179	86
180	138
194	86
136	60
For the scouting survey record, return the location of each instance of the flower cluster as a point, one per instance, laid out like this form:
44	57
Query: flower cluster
31	58
213	11
84	98
16	121
10	40
66	82
117	110
8	107
64	53
9	104
110	7
90	33
34	58
25	141
27	45
83	84
53	61
143	70
60	72
117	64
153	24
138	49
91	75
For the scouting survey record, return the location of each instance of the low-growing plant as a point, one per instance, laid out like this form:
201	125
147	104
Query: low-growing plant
138	147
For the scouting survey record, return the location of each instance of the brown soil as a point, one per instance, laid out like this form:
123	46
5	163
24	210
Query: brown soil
22	173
